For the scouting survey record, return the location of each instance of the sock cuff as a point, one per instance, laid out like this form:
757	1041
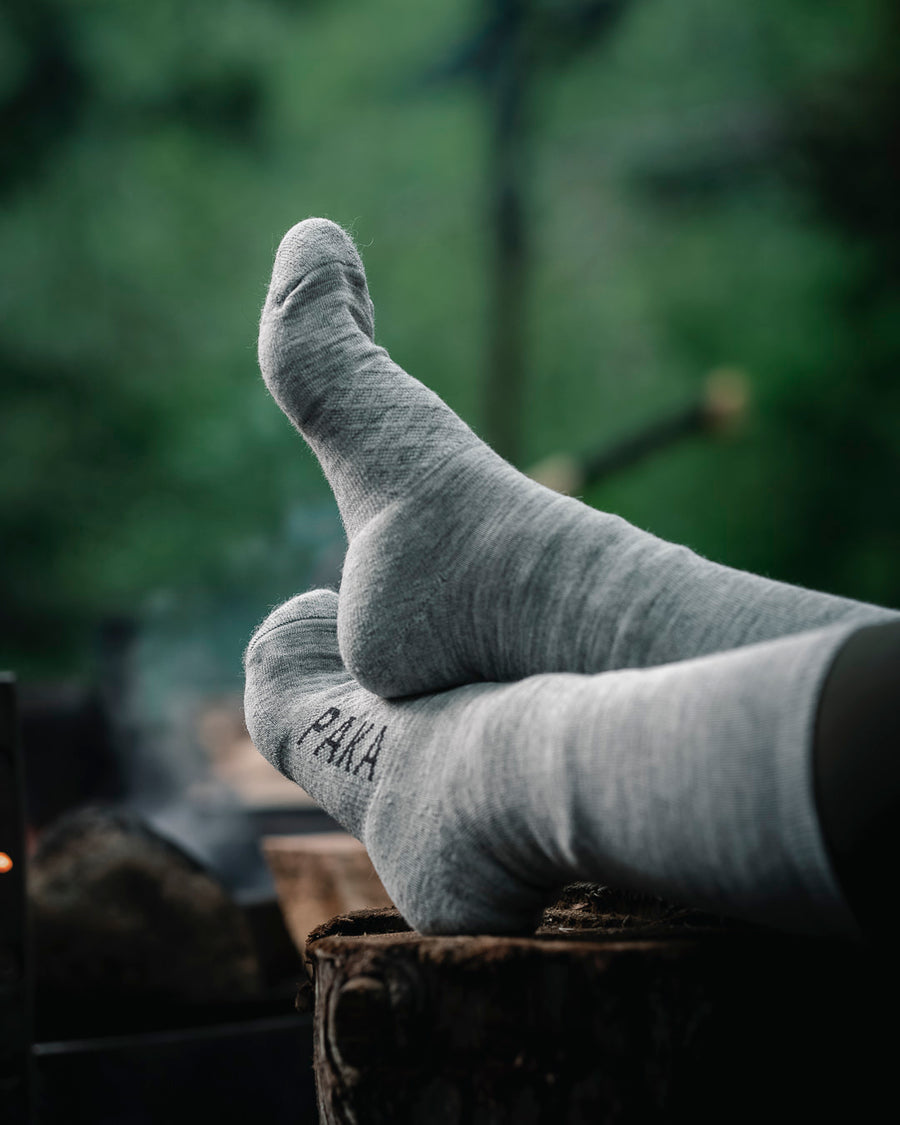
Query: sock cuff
798	811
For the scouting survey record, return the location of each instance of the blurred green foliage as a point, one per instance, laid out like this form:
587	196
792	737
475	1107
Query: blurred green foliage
715	183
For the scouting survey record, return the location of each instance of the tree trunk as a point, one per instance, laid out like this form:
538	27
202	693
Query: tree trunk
648	1015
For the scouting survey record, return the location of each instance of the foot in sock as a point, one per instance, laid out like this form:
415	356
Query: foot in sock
690	781
459	568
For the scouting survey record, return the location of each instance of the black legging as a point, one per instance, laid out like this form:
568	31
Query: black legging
856	760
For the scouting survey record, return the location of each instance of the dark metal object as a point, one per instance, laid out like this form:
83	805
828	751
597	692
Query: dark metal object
15	976
72	757
256	1071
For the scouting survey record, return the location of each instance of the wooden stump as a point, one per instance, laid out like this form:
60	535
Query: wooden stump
640	1019
320	875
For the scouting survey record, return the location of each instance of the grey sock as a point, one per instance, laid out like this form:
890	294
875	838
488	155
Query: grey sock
459	568
691	781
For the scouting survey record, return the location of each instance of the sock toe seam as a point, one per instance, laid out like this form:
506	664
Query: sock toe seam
281	625
281	302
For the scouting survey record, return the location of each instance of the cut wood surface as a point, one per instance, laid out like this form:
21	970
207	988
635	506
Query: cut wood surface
652	1015
321	875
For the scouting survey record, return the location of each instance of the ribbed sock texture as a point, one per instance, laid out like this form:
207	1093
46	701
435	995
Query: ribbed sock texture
459	568
691	781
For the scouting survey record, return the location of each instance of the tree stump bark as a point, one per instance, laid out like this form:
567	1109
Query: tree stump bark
640	1018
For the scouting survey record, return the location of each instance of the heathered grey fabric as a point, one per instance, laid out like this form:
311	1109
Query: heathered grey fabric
459	568
691	780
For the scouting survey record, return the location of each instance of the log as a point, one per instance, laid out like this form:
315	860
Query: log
649	1015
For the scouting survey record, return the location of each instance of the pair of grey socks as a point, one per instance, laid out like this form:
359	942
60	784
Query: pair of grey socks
655	729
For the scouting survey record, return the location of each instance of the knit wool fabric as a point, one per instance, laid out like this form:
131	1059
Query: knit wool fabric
691	781
459	568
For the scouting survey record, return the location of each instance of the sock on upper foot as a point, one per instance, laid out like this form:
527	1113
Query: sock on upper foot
691	781
459	568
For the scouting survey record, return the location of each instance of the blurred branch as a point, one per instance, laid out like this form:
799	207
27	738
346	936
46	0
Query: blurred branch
720	409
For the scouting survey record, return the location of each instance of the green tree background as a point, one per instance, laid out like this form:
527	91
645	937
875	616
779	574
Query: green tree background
713	183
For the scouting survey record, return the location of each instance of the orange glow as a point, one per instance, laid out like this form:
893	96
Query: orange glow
5	863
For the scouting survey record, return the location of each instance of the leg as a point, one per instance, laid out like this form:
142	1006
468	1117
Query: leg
857	772
459	568
692	781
